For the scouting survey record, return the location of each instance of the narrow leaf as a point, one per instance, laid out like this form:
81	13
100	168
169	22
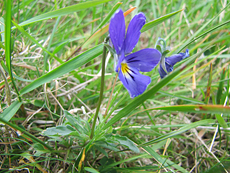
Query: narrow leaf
9	112
197	108
220	88
62	130
107	18
164	162
123	140
179	131
64	11
64	68
91	170
157	21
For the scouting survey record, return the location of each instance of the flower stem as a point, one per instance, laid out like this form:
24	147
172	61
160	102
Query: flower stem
101	91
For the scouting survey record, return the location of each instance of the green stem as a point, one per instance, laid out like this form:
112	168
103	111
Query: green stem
101	91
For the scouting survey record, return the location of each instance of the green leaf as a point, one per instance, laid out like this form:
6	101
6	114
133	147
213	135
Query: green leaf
8	41
179	131
64	11
107	18
123	140
8	35
164	162
9	112
197	108
99	148
220	88
64	68
181	97
106	167
157	21
91	170
59	130
77	123
221	121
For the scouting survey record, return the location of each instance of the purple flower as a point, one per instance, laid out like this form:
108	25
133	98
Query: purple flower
129	65
166	64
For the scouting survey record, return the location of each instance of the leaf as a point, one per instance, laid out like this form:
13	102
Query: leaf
77	123
179	131
64	11
111	165
181	97
220	88
59	130
99	148
197	108
9	112
107	18
157	21
64	68
91	170
8	36
123	140
221	121
107	145
164	162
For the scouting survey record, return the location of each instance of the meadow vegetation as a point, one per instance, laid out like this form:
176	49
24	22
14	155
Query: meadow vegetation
63	108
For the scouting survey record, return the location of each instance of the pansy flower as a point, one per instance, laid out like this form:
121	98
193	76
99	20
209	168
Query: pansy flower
129	64
166	64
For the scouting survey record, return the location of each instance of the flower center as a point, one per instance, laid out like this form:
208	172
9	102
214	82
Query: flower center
124	68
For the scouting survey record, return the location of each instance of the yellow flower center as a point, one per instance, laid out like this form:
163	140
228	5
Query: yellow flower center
124	68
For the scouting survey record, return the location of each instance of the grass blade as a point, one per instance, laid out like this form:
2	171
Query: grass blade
64	68
64	11
9	112
8	43
197	108
179	131
220	88
164	163
8	35
107	18
157	21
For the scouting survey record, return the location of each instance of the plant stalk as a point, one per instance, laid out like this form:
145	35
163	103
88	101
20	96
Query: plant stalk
101	91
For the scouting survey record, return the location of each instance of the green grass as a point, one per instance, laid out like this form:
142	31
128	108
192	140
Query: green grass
50	85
